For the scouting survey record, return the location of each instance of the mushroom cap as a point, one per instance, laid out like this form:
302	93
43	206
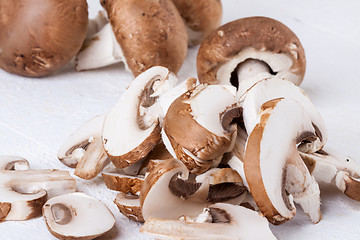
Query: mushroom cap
77	216
132	129
129	205
123	183
258	38
151	26
200	17
39	37
269	147
193	127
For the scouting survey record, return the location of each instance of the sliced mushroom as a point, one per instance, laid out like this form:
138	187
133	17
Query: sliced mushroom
123	183
96	24
270	147
194	130
23	192
129	205
273	88
329	166
171	191
132	128
75	146
247	50
223	221
200	17
13	163
77	216
152	26
35	45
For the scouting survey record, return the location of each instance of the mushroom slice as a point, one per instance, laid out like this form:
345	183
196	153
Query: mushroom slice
75	146
330	166
36	45
13	163
282	124
246	50
129	205
223	221
23	192
200	17
193	126
273	88
97	23
132	129
123	183
77	216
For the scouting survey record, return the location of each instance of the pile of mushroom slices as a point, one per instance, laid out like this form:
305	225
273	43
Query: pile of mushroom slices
26	194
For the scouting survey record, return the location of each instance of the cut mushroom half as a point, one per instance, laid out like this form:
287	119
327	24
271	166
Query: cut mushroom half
158	29
129	205
171	191
77	216
23	192
330	166
132	128
13	163
200	17
218	221
271	147
193	128
247	50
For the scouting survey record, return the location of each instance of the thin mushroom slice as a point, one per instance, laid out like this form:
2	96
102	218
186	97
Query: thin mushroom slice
13	163
221	221
75	146
77	216
330	166
132	128
282	124
23	192
193	126
123	183
129	205
247	50
272	88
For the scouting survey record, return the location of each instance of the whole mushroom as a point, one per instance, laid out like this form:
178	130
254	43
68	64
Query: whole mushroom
39	37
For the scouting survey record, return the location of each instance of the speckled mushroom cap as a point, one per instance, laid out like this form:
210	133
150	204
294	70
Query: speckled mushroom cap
150	33
38	37
258	38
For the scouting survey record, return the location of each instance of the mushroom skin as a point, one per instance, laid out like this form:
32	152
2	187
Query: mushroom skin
258	38
153	26
200	17
192	126
263	152
37	38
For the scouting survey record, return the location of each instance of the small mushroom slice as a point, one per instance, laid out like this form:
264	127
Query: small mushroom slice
13	163
132	128
77	216
96	24
273	88
75	146
193	126
330	166
123	183
200	17
129	205
223	221
270	146
36	45
23	192
247	50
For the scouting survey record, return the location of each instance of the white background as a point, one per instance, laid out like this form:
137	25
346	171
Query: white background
37	115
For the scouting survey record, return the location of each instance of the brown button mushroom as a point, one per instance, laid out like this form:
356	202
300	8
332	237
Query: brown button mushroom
39	37
200	17
248	50
151	27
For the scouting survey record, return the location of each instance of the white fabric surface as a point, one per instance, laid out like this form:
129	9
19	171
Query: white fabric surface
37	115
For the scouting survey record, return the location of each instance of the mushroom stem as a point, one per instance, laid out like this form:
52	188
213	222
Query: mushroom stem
100	50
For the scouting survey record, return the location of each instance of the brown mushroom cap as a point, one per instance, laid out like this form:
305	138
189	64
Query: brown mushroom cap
154	27
259	33
39	37
201	16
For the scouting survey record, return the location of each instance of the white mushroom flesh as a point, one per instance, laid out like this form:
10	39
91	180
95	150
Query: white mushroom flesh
13	163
